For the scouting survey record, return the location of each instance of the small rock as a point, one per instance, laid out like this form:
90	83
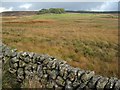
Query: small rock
110	83
14	60
22	64
34	67
45	76
117	85
11	70
76	83
80	73
24	54
71	76
93	81
87	75
50	84
20	71
46	61
53	74
15	66
68	85
26	60
60	81
20	78
101	83
31	55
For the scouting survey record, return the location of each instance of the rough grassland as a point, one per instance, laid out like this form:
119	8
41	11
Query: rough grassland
88	41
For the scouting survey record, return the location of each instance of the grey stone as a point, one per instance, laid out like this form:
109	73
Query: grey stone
46	61
85	77
31	55
34	67
20	71
63	70
65	75
30	74
110	83
101	83
15	66
50	84
93	81
42	58
117	85
28	67
45	76
81	86
43	81
36	58
53	74
68	85
26	59
61	66
44	71
20	78
40	67
60	81
80	73
14	60
22	64
14	53
11	70
49	65
57	87
48	71
18	55
44	68
27	73
24	54
71	76
8	53
76	83
53	65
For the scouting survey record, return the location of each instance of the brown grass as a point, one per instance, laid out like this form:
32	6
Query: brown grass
88	41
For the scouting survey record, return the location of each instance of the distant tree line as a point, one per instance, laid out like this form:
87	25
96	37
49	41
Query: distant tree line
52	10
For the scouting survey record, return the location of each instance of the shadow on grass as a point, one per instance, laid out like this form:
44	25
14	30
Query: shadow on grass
8	80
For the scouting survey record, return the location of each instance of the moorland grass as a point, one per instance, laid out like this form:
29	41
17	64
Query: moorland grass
88	41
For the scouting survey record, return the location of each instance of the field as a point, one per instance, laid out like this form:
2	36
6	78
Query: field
88	41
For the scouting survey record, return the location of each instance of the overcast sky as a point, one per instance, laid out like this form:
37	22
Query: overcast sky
30	6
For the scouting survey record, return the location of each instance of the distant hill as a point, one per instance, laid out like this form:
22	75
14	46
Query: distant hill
93	12
21	13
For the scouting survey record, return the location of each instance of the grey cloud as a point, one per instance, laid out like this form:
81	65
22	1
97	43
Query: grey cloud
66	5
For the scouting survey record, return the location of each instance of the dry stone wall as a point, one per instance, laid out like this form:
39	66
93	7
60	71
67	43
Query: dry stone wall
54	73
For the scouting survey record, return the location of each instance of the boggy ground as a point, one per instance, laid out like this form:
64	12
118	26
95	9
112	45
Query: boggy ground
88	41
